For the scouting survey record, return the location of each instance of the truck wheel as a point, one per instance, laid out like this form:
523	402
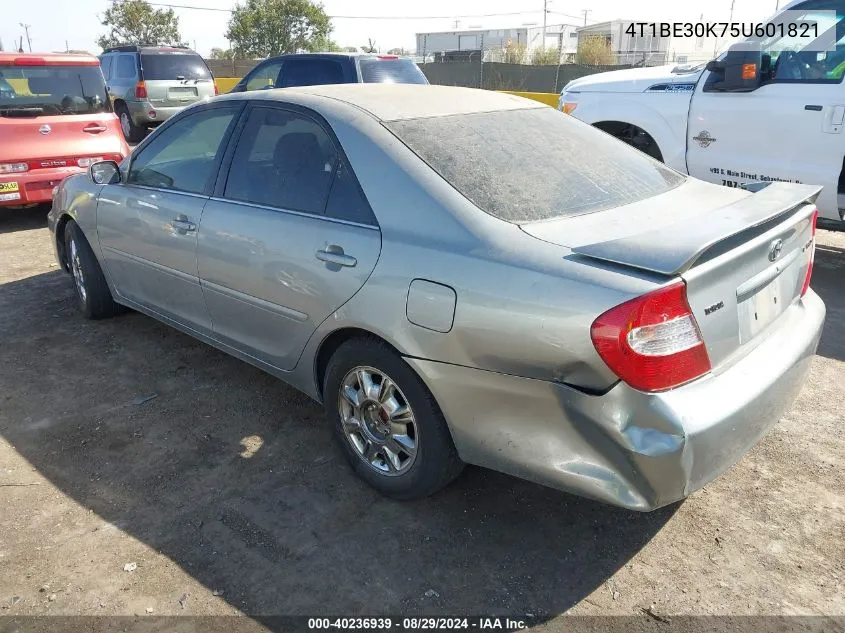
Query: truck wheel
634	136
388	424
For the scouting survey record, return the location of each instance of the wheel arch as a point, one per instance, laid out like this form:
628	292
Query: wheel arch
332	342
666	128
613	128
61	227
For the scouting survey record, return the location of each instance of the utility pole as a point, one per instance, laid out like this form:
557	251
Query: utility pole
585	12
545	13
731	19
26	28
457	24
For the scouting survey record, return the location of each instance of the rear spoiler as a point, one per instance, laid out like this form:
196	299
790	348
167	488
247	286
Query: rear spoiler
676	247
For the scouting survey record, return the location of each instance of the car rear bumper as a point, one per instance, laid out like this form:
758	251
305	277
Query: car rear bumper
140	111
625	447
32	187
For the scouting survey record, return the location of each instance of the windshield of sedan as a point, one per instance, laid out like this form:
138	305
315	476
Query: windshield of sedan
534	164
31	91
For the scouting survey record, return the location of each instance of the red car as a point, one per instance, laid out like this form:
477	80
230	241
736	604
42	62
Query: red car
55	120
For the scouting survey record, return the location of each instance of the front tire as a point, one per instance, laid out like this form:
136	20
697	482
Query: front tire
92	292
387	423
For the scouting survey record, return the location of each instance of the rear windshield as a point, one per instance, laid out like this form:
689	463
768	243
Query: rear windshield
52	90
535	164
390	71
172	66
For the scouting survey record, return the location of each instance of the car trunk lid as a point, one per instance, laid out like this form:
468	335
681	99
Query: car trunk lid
743	256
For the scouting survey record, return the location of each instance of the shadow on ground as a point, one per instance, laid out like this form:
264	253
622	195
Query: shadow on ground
829	282
12	220
234	476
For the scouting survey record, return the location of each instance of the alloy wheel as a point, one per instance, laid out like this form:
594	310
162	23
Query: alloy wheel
377	421
76	268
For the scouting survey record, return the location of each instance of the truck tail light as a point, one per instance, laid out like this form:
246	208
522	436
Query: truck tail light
140	90
652	342
216	89
806	286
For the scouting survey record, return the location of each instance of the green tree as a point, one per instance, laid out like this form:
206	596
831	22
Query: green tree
595	51
370	47
137	22
222	53
545	56
327	45
263	28
514	54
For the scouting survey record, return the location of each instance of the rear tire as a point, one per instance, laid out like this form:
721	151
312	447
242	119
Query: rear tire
92	292
395	438
131	132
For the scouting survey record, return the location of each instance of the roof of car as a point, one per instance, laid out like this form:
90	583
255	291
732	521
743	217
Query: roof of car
56	59
135	48
392	102
339	54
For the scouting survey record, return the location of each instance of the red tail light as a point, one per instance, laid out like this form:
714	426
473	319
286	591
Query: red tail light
140	90
216	89
814	219
652	342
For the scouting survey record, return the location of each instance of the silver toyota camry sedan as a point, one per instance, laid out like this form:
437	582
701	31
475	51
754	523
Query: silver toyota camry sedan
463	276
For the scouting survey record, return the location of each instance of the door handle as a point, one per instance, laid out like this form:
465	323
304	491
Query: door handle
813	108
334	254
183	226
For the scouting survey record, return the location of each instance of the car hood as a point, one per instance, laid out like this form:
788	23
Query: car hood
634	79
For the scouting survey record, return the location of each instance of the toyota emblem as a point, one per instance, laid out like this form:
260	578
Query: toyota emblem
775	250
45	129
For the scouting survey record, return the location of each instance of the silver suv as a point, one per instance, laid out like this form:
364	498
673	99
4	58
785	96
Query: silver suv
149	84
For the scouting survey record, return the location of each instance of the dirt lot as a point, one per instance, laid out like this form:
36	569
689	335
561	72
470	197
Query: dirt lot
225	494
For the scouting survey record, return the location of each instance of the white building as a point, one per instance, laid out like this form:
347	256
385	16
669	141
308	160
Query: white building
637	44
561	36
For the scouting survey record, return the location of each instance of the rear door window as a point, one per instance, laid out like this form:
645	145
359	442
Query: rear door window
284	160
535	163
125	67
173	66
390	70
311	72
105	65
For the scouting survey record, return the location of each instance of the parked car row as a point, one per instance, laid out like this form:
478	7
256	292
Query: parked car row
56	110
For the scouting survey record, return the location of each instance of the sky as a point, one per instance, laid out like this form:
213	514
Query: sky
56	24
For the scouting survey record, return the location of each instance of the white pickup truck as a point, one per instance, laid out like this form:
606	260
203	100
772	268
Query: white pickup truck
721	123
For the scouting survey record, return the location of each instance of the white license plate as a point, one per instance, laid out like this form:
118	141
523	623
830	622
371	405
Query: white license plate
757	311
10	196
182	93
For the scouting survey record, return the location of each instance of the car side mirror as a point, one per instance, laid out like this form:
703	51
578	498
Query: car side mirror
104	172
739	71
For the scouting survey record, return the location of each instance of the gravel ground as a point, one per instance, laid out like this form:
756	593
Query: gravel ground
143	473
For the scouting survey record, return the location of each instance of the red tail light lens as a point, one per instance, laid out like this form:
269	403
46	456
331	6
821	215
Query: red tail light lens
806	286
652	342
216	89
140	90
